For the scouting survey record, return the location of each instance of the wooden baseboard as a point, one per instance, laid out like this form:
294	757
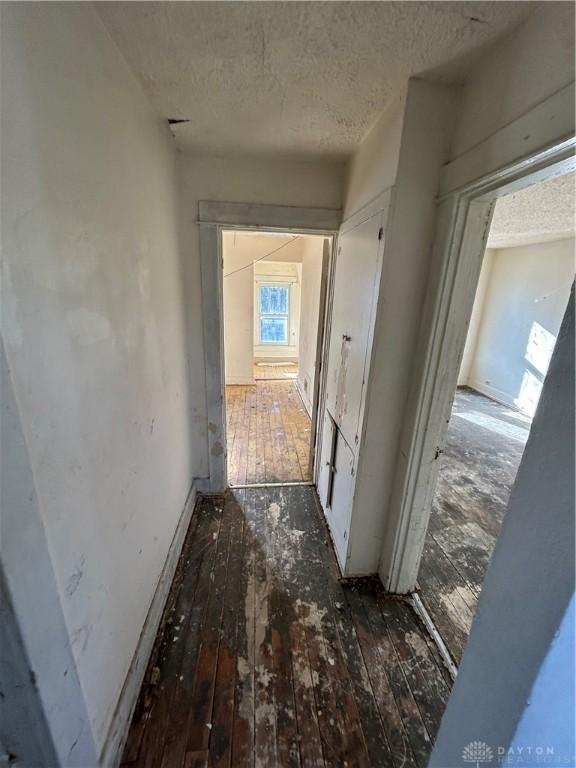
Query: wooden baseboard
116	738
203	485
494	394
304	399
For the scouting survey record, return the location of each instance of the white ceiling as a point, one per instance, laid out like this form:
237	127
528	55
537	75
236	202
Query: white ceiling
544	211
305	78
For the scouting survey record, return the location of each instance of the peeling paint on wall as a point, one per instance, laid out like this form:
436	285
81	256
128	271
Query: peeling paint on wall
341	404
217	449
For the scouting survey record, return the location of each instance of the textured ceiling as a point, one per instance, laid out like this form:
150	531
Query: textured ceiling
304	78
544	211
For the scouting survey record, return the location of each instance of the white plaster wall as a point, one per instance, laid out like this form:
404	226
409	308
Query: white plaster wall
476	318
238	309
251	179
239	252
53	728
273	181
94	326
523	307
517	74
418	157
243	257
374	165
309	315
299	260
526	593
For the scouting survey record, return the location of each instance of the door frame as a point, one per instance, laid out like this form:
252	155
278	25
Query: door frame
463	222
322	333
213	218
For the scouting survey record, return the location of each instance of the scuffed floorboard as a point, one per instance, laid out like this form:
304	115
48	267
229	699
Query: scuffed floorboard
484	445
270	660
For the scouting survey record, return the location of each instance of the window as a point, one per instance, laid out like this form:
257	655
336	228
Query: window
273	306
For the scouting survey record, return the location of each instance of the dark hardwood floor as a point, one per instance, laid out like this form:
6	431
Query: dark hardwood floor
483	449
268	659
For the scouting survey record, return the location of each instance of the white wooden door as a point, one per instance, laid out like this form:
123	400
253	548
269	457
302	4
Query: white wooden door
324	477
340	509
336	486
355	289
356	279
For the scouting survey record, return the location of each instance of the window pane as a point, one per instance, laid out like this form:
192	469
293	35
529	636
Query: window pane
274	299
274	330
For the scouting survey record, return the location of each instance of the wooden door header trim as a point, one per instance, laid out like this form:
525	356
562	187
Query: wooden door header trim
272	217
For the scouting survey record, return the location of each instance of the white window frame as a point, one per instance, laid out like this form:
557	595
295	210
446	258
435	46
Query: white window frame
274	284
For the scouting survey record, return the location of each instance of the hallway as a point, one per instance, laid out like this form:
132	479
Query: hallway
316	205
268	434
268	659
484	445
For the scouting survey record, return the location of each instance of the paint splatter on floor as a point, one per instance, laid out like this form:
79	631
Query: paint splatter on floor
484	445
288	665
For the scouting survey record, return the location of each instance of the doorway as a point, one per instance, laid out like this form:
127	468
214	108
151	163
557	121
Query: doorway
273	306
213	218
523	290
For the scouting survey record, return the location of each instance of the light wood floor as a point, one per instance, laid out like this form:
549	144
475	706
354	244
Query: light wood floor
275	372
268	433
266	658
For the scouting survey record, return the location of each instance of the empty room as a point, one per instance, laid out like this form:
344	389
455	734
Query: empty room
287	384
274	286
522	295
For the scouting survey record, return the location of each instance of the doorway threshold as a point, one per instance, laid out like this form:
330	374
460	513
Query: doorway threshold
272	485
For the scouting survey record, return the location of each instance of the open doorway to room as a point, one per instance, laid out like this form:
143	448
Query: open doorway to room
274	287
522	294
